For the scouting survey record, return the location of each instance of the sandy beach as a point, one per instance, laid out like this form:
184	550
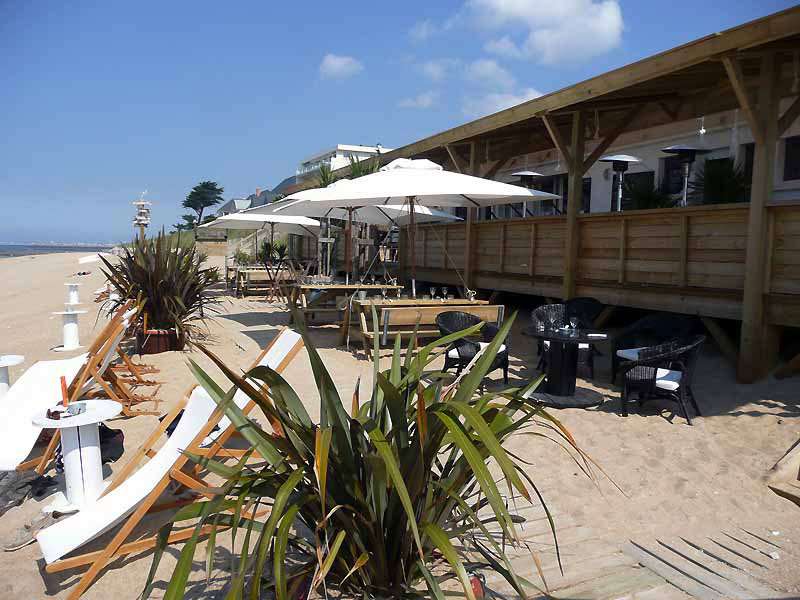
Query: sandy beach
675	480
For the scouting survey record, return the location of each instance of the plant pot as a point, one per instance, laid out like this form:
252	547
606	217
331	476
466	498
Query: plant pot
155	341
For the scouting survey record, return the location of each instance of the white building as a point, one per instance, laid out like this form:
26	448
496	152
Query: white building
726	135
338	156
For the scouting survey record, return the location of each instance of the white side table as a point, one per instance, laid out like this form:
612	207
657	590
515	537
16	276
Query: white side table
7	360
80	445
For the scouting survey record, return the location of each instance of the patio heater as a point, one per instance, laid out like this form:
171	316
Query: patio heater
687	155
619	164
142	218
528	180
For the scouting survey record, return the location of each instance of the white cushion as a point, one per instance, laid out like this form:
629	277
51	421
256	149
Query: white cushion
668	380
629	353
453	352
580	346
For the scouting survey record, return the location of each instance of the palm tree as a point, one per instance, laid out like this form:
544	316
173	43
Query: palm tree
359	168
325	176
204	195
188	223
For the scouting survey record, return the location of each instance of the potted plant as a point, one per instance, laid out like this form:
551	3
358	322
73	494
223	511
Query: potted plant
378	501
170	283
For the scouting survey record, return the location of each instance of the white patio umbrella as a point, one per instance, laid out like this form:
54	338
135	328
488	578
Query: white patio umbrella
390	214
415	182
283	223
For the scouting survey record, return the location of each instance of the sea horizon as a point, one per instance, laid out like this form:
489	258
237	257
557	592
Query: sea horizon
9	249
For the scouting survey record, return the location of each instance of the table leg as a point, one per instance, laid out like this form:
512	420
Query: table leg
562	367
83	469
344	329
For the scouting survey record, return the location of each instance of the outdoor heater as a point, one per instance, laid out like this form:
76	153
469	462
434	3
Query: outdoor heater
619	164
527	179
686	154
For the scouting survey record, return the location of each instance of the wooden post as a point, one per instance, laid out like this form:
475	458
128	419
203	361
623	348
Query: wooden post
683	267
502	248
444	247
574	201
757	343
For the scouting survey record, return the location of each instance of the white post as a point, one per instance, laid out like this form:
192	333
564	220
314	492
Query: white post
70	333
72	293
9	360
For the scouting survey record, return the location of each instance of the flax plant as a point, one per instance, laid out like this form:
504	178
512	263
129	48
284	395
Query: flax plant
385	500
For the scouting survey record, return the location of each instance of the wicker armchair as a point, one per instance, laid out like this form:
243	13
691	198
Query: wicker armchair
663	371
648	331
553	316
585	308
462	351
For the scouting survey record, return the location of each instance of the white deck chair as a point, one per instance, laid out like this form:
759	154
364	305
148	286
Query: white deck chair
137	493
39	388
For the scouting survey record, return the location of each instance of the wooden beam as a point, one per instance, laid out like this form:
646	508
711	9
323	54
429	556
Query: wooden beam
574	201
789	116
558	139
724	342
736	76
469	236
792	367
756	344
502	247
623	240
683	265
611	136
672	113
604	316
532	254
496	165
458	163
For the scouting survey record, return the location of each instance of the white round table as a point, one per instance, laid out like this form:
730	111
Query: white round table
80	445
7	360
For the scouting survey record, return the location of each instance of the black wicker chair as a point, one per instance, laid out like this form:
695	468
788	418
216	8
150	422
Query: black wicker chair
553	316
585	308
462	351
648	331
663	371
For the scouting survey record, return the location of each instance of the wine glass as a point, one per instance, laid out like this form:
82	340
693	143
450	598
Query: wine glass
444	293
433	293
573	321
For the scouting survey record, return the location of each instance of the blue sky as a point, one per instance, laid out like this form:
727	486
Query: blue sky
102	100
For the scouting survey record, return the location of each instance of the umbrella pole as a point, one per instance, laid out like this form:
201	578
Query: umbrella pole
413	243
348	245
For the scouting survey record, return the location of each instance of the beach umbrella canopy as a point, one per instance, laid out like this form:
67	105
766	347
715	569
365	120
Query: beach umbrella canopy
387	215
415	182
283	224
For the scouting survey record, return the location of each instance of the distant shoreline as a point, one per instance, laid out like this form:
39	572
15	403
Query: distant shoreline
9	250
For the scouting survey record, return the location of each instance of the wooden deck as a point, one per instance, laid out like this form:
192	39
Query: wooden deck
688	260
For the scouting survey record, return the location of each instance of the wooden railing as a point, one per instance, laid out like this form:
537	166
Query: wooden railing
687	260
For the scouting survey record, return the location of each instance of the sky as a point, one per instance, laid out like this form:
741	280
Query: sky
100	101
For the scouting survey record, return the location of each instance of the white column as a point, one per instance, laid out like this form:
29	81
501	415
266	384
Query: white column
72	293
83	467
70	333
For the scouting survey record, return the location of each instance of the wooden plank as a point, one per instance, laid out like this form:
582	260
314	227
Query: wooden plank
502	247
684	248
574	202
444	248
558	139
426	315
746	104
669	572
532	255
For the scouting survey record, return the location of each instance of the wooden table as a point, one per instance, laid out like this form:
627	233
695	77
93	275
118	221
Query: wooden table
299	295
366	305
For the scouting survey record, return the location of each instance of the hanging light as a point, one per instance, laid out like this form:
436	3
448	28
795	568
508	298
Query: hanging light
686	153
619	164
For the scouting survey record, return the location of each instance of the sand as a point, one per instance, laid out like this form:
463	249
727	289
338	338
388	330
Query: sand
676	479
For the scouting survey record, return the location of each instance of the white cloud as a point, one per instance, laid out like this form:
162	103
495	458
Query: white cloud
563	31
420	101
334	66
486	72
438	69
503	46
494	102
422	30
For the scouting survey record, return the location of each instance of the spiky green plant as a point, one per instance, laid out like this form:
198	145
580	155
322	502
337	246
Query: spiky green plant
359	168
641	195
388	495
168	279
325	177
719	181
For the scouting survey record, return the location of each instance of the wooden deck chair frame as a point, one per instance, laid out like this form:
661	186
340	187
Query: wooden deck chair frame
95	355
118	546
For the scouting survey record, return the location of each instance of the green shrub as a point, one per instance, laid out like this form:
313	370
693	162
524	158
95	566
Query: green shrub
167	279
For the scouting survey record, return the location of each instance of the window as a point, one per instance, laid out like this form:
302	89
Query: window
671	175
791	159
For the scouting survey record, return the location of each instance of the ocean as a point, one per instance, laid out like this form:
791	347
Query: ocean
28	249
